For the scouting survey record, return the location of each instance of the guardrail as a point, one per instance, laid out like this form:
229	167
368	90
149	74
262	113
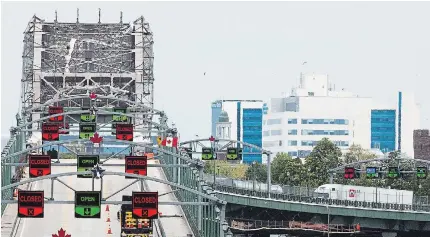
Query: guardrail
304	194
316	200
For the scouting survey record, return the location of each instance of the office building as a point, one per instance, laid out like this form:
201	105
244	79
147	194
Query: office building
422	144
315	110
383	129
242	121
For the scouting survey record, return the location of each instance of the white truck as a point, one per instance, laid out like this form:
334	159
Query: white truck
365	194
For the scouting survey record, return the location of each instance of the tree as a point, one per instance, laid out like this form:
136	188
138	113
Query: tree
257	171
286	170
357	153
325	155
226	169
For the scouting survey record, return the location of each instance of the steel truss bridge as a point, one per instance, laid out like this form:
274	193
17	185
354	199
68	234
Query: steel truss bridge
63	63
66	64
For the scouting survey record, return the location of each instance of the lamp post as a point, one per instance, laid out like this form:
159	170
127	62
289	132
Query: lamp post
328	220
253	174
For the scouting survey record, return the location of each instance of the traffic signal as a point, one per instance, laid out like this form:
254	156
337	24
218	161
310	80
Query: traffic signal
421	172
349	173
372	172
393	172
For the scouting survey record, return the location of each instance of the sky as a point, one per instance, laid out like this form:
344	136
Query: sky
249	50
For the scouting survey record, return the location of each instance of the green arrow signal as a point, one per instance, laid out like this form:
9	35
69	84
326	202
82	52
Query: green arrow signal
87	210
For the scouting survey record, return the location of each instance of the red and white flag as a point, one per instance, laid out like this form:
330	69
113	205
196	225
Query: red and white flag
170	142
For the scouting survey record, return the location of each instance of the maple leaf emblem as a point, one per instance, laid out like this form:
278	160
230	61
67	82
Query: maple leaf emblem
61	233
96	138
212	139
169	141
93	96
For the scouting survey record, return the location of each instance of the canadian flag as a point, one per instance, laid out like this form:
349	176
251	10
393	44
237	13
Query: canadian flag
170	142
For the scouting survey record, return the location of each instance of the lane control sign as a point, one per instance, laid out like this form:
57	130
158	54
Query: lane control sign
232	153
30	204
136	165
50	132
56	110
87	204
87	163
39	165
145	205
87	130
207	153
124	132
120	118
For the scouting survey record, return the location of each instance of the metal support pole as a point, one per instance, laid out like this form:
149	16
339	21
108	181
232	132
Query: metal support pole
101	188
52	189
331	178
141	185
328	221
113	194
92	186
178	170
199	199
222	220
214	173
175	175
269	175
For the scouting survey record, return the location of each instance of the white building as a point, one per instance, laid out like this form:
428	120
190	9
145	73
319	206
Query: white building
408	119
314	110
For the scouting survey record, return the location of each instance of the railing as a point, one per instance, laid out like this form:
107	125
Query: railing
290	225
305	195
11	174
202	219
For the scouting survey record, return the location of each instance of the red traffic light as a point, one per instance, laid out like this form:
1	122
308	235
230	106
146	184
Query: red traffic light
349	173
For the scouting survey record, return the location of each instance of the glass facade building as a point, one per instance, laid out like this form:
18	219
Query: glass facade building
252	133
383	129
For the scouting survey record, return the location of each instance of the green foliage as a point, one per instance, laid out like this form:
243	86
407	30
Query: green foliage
325	155
357	153
286	170
226	169
257	171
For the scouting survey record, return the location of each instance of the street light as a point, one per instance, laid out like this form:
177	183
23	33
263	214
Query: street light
328	220
253	174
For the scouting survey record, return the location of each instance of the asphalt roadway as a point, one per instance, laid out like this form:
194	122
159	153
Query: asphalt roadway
62	216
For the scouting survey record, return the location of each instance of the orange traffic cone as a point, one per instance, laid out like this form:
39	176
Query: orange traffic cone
108	219
107	207
109	231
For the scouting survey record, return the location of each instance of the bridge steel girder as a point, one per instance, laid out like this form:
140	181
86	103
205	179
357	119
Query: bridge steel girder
164	151
83	111
50	102
323	209
263	151
141	177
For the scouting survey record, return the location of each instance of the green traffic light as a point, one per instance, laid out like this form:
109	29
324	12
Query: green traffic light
421	172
